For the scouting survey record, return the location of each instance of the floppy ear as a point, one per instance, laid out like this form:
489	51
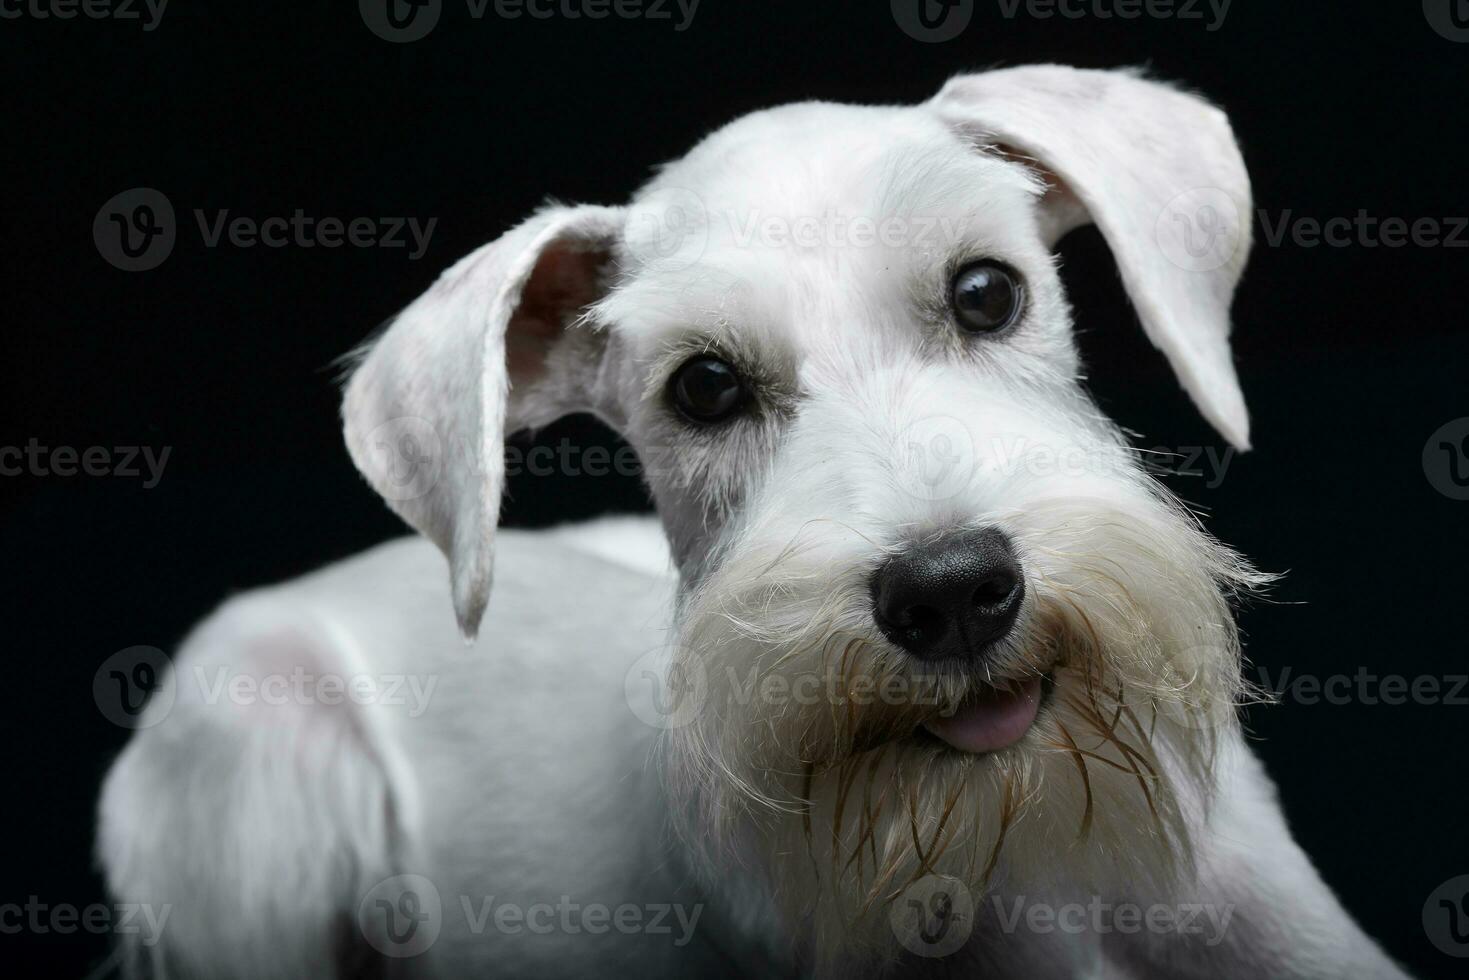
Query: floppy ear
427	410
1159	173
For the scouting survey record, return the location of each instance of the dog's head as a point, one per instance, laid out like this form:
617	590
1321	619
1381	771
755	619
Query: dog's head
938	617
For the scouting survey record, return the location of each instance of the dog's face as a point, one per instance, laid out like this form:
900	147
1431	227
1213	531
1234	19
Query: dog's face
935	617
800	301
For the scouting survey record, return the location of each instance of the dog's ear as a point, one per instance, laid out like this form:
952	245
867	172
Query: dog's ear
1159	173
427	410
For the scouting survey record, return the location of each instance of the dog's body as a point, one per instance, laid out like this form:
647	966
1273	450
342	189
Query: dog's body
781	745
561	767
555	793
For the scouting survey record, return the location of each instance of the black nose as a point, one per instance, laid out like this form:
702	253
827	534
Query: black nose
951	597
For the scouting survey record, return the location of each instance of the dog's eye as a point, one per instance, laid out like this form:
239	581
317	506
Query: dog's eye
707	390
986	297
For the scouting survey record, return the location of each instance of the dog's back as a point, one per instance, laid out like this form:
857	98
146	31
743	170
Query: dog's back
357	762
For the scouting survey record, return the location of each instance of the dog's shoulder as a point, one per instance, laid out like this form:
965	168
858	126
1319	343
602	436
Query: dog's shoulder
406	579
633	542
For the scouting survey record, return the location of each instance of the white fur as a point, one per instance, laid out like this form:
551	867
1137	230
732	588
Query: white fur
797	830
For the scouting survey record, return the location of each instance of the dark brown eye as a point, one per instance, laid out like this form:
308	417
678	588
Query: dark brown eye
986	297
707	390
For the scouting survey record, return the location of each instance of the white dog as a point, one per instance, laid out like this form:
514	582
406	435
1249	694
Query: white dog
937	678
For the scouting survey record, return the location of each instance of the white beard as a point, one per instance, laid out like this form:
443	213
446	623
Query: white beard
841	803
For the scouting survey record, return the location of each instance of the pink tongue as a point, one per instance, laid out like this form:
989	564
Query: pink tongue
991	720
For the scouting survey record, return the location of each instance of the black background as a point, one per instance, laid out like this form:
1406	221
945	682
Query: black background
1351	357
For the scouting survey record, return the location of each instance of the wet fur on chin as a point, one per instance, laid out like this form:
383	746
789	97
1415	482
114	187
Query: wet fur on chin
840	802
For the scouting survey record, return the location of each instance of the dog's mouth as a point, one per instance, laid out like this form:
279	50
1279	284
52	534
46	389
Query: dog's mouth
992	717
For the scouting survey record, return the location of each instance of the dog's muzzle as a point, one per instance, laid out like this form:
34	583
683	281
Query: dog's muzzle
951	598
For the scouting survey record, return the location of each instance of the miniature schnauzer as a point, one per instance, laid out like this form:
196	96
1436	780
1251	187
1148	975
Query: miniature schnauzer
918	671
